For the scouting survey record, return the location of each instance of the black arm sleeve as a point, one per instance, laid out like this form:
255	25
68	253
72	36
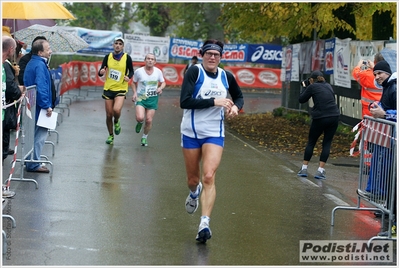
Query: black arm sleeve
235	91
12	89
22	65
305	94
187	100
129	66
103	64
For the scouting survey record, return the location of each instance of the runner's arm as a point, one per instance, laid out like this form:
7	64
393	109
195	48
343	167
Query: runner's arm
235	91
187	99
103	65
129	66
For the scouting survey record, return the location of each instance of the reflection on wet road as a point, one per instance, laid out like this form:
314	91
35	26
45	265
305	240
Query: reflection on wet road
124	204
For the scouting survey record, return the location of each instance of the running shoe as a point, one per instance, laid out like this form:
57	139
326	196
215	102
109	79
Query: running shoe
138	127
303	173
204	232
192	201
118	127
320	175
377	197
363	194
144	142
110	140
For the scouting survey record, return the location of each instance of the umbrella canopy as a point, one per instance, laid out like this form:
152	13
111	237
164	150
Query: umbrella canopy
34	10
16	25
60	41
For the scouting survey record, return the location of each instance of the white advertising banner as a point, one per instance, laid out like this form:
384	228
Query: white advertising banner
305	57
364	50
342	76
137	46
283	64
295	62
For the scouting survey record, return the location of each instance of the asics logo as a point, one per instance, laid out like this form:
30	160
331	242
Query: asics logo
212	93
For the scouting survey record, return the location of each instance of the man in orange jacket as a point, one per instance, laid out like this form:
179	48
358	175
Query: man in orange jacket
371	91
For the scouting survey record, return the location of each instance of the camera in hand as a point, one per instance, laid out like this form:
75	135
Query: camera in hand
305	83
364	65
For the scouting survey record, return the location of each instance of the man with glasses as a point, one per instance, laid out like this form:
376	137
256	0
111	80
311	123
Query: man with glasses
118	67
148	83
204	100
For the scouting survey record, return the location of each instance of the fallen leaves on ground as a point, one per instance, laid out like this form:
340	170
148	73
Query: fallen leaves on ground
281	135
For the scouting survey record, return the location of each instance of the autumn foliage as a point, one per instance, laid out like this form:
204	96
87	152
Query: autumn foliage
286	134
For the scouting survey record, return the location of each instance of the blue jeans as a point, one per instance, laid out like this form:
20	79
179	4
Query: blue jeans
380	169
39	140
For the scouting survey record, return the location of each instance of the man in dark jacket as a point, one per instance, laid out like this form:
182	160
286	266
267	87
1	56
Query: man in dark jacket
386	108
13	93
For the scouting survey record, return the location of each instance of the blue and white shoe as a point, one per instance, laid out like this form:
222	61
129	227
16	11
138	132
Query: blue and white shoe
192	201
320	175
204	232
303	173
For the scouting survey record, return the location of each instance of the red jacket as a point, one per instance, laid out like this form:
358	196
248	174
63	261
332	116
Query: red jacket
370	92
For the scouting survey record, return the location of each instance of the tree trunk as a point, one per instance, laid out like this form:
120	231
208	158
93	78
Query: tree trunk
212	13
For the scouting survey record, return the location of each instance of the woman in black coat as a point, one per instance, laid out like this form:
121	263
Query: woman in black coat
325	118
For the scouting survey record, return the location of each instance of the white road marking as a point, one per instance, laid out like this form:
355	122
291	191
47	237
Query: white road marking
73	248
364	218
304	180
286	168
336	200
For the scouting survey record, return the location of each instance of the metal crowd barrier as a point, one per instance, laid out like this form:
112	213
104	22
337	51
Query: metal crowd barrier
27	128
377	176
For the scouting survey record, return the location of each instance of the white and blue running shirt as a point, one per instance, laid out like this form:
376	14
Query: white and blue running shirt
207	122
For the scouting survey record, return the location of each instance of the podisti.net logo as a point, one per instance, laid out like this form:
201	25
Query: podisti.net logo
321	251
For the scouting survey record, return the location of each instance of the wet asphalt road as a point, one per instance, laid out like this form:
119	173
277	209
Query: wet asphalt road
124	204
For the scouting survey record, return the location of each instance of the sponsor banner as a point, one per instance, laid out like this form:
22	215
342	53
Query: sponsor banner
256	77
346	251
77	74
342	77
266	54
318	55
234	53
329	46
138	46
305	57
295	62
283	62
100	42
288	63
184	48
